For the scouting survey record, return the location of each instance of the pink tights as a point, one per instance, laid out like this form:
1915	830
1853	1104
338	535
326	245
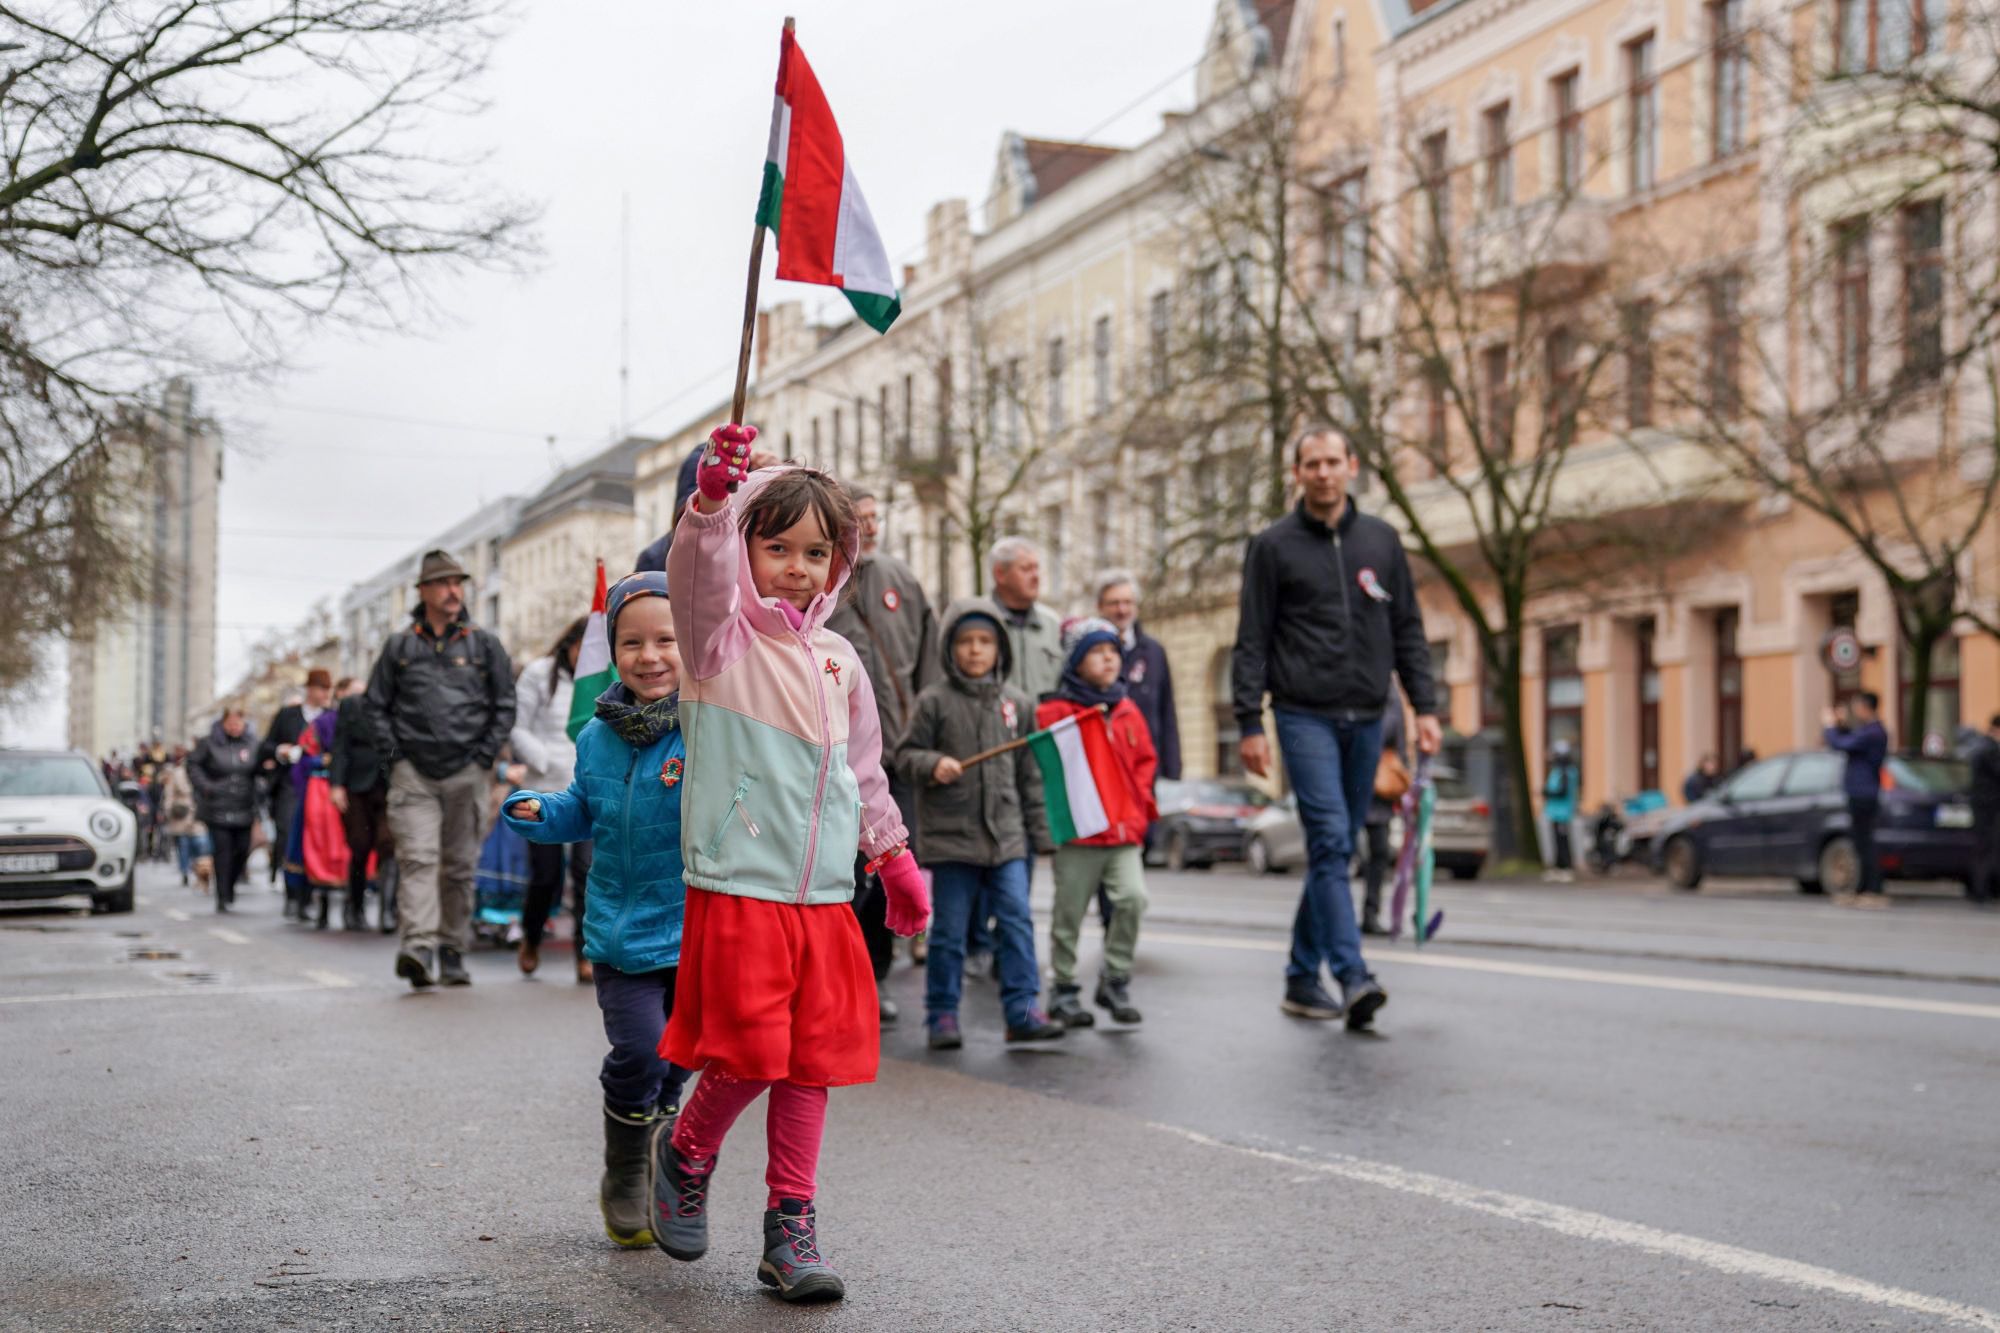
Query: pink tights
793	1126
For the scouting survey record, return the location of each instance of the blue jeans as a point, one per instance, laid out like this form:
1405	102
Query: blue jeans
1332	769
184	852
636	1006
957	888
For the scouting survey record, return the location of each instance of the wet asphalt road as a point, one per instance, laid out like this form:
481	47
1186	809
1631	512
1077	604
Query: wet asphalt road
1611	1108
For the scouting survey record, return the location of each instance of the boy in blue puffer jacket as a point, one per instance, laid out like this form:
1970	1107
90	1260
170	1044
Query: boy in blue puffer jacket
626	797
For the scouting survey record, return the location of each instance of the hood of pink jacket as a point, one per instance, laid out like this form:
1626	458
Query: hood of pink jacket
765	612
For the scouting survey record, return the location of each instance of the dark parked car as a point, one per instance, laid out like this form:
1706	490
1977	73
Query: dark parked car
1786	816
1201	822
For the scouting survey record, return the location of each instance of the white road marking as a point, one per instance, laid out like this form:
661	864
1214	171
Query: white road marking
281	988
176	914
1644	980
330	980
1613	1231
228	936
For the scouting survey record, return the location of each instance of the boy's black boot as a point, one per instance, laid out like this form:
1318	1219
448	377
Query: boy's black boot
1066	1007
791	1260
625	1195
1111	995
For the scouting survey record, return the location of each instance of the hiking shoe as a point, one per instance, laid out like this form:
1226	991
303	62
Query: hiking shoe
416	967
1308	999
1363	998
680	1200
623	1195
1035	1026
451	968
1066	1007
945	1035
1111	995
791	1260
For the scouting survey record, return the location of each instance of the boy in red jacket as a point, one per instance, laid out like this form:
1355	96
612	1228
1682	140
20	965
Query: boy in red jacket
1123	762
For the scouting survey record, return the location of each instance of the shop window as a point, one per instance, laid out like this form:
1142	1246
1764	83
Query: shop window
1728	691
1562	688
1649	709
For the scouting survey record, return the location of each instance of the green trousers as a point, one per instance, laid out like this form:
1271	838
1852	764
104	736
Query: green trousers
1079	870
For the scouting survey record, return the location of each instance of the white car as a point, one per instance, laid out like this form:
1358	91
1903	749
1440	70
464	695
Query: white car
62	833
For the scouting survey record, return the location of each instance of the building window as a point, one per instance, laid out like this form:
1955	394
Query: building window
1850	289
1242	290
944	407
884	440
860	435
1437	422
1884	34
1100	529
837	460
1055	537
1339	50
1724	297
1100	366
1562	689
1559	353
814	435
1497	148
1207	321
1434	168
1728	691
1158	331
944	559
909	418
1635	320
1569	133
1642	112
1923	289
1440	651
1057	366
1010	403
1649	709
1499	395
1157	512
1349	260
1941	700
1730	77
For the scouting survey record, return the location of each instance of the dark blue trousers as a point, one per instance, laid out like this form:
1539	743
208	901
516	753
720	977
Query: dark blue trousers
636	1006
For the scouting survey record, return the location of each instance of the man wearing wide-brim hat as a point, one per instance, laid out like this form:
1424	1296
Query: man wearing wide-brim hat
441	700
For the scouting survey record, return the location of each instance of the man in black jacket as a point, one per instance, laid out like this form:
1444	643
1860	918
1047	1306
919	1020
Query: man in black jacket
358	778
440	702
1328	611
275	758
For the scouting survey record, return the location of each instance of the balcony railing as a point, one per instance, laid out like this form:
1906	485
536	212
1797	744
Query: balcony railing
1547	239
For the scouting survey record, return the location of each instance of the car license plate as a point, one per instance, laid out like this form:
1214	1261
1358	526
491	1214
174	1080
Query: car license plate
37	864
1954	816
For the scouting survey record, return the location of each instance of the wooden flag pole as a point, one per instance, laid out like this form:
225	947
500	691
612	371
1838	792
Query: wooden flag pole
998	750
749	312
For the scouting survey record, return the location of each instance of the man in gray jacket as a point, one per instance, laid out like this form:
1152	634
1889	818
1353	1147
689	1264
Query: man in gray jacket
888	621
1034	632
441	701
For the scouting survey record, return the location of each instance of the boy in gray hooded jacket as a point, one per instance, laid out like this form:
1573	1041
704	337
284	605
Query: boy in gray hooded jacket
977	827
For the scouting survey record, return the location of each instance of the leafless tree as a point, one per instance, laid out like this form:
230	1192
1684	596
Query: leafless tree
187	186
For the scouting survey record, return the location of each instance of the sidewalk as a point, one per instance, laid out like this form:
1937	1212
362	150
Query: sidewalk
1930	934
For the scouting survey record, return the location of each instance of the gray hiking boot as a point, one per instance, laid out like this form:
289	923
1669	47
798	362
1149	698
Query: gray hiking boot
1066	1007
1363	998
680	1201
791	1260
623	1195
1112	995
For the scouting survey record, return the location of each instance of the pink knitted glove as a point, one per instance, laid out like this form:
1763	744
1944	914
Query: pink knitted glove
909	901
726	464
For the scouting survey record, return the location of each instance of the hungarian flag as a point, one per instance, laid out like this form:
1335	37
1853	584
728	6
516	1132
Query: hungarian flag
1070	787
593	663
812	202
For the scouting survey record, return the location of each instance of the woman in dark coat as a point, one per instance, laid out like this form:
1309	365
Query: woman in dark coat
223	771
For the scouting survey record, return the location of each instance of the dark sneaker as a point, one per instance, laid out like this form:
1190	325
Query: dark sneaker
623	1196
791	1260
415	966
1035	1026
1363	998
1066	1008
451	968
1308	999
945	1035
680	1201
887	1010
1111	995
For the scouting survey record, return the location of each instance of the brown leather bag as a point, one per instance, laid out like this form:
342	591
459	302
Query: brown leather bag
1392	778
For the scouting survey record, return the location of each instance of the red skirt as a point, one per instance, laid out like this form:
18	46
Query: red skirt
772	991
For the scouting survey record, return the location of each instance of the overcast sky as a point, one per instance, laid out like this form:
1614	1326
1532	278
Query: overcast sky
592	100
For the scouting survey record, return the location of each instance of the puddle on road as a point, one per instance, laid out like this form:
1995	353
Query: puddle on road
142	953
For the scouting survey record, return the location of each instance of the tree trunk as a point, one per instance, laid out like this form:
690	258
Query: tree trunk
1514	744
1922	637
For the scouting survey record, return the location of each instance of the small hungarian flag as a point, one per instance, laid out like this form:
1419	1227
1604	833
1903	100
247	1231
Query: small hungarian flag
1069	786
812	202
593	663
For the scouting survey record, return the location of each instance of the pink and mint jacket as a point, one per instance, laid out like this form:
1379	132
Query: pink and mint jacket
784	748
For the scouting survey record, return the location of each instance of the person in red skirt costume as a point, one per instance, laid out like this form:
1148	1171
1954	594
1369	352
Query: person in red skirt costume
784	786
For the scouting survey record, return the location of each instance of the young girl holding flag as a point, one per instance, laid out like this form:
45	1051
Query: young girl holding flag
785	781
